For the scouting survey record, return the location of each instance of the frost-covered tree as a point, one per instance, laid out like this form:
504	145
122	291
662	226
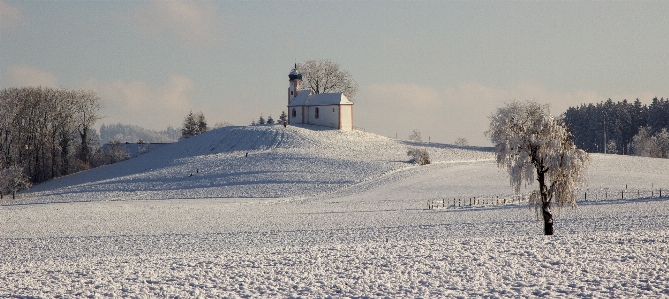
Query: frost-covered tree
655	146
261	120
416	136
222	124
461	141
270	120
419	156
611	147
13	179
47	131
531	144
115	153
323	76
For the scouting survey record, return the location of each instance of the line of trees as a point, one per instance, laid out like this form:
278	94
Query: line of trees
132	133
46	132
612	127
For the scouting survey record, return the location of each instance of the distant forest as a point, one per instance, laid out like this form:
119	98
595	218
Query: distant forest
615	127
134	134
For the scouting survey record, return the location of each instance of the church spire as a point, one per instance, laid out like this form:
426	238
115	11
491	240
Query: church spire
295	83
294	74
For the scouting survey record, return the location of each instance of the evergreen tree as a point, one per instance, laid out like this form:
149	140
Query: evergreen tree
201	123
270	120
190	126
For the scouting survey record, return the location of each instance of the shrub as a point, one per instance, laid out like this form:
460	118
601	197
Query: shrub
419	156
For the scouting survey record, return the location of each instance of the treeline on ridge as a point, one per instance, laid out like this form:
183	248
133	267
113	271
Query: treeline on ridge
621	127
132	133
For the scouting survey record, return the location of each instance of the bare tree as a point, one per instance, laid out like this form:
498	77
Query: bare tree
529	141
416	136
40	126
461	141
222	124
324	76
87	103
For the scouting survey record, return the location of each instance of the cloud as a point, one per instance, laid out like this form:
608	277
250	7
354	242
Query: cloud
192	23
11	16
24	75
140	104
448	112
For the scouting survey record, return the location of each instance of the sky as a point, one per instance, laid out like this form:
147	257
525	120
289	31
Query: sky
439	67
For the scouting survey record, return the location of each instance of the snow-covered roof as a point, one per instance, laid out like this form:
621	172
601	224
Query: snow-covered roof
300	99
305	98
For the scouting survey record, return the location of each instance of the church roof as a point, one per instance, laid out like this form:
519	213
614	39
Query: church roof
305	98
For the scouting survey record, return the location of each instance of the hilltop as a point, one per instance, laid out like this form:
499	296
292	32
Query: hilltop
250	161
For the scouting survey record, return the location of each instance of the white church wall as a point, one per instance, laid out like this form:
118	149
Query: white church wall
346	117
328	116
297	118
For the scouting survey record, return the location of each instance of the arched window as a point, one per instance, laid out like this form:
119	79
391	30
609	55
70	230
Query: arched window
316	114
294	113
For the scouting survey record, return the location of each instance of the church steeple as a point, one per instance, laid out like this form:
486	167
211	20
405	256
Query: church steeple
294	74
295	83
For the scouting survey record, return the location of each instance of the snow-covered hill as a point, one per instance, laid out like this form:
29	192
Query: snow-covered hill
255	161
326	214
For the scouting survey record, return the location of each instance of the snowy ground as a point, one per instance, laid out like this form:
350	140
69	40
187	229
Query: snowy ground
318	213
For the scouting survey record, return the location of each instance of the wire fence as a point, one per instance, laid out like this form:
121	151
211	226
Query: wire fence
584	195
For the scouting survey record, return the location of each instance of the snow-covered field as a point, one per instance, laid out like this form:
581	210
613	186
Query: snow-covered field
321	213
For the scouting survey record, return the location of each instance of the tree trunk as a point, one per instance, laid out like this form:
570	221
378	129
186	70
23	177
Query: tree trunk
548	219
545	204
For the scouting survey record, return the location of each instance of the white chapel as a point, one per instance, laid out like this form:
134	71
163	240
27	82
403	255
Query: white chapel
332	110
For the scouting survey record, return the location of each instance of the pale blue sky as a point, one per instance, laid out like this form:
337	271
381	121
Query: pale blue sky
440	67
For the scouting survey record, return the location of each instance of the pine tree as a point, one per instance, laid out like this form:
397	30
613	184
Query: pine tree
190	126
201	123
283	117
261	120
270	120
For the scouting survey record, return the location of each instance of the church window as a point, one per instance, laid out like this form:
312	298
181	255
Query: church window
316	114
294	113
